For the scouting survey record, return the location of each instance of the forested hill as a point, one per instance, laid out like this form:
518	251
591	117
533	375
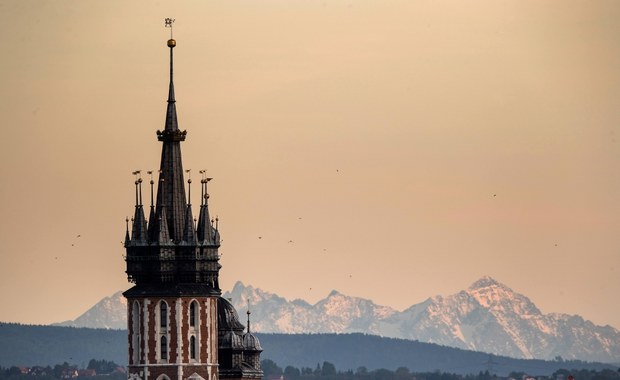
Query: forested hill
25	345
351	351
28	345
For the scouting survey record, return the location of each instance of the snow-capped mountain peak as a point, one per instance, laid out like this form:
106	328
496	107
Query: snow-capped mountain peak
109	313
488	316
498	297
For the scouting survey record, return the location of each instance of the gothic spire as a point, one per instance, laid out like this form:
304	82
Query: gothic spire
127	238
189	233
171	191
139	229
163	236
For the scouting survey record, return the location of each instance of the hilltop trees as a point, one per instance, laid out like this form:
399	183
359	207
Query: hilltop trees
328	371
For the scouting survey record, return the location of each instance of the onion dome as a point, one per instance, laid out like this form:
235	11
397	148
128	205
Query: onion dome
227	317
251	342
231	340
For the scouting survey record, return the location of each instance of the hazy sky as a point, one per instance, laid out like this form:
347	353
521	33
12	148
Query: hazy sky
406	147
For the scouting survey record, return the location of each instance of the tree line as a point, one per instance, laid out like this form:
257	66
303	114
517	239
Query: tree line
96	370
104	369
328	371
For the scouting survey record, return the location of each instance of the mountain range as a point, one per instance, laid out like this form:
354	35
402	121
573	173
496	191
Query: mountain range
487	317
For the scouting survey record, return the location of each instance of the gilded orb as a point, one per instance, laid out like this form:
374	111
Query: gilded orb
172	43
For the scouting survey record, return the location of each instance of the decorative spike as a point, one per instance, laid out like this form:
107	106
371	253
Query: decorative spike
153	229
140	191
137	203
249	312
127	239
150	172
206	193
203	186
202	192
189	186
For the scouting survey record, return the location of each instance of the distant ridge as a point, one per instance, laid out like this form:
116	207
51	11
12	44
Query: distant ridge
109	313
24	345
488	317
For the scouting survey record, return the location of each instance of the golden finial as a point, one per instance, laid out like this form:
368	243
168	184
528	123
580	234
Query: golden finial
168	22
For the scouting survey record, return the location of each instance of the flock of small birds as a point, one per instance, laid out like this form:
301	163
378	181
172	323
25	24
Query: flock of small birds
73	244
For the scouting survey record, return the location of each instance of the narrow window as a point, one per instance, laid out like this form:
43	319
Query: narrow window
192	347
164	348
192	314
163	315
135	316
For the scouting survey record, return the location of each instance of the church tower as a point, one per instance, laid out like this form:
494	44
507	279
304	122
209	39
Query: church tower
175	312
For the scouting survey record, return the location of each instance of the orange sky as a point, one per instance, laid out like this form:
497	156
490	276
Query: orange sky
406	147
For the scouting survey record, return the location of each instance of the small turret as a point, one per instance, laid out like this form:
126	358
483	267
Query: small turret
127	238
139	228
252	347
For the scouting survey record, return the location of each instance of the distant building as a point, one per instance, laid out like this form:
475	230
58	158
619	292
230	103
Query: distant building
69	373
179	326
87	373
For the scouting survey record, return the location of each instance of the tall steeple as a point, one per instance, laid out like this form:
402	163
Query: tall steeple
170	249
171	191
175	312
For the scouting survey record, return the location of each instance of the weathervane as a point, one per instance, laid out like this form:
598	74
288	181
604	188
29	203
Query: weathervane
169	22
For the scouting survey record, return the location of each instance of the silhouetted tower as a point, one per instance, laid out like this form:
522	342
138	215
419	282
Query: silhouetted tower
172	309
175	311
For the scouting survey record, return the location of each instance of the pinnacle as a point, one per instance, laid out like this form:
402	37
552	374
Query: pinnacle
484	282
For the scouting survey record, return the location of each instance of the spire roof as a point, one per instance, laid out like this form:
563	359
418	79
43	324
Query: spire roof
163	235
127	238
171	191
139	229
189	235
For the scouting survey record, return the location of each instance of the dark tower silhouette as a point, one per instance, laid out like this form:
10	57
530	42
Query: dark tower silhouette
174	307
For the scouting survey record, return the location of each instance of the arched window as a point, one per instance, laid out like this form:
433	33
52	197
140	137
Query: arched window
193	313
163	348
135	317
192	347
163	314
